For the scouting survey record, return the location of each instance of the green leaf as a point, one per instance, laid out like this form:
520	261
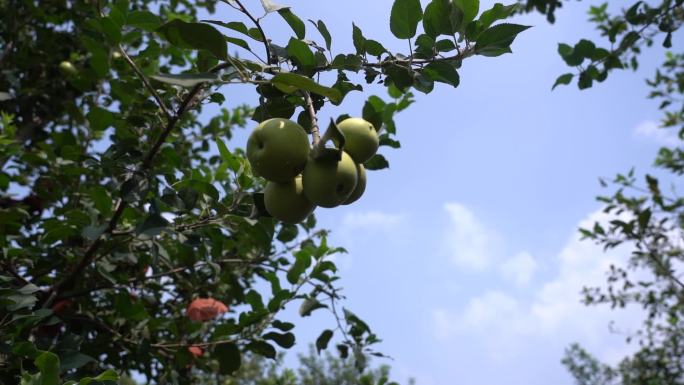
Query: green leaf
152	225
186	80
285	340
99	56
301	54
470	10
195	36
323	340
111	30
287	233
48	365
445	45
585	80
262	348
302	262
295	22
497	39
441	18
99	118
226	155
563	79
323	30
374	48
288	82
229	358
400	76
377	162
107	375
238	42
144	20
25	349
75	360
585	48
284	326
404	18
358	40
569	55
442	72
497	12
101	199
373	111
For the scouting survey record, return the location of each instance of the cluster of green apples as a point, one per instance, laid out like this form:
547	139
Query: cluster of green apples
301	179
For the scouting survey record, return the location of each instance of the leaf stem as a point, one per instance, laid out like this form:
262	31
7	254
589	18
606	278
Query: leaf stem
315	130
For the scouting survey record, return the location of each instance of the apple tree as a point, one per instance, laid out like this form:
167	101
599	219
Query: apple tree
646	216
133	238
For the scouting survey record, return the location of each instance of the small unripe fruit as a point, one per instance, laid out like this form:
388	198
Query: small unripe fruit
278	149
287	202
116	55
329	182
361	139
360	185
67	68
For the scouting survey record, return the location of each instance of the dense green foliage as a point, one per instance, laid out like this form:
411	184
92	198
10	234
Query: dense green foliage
120	208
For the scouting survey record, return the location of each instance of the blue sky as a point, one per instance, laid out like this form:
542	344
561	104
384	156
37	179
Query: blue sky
464	255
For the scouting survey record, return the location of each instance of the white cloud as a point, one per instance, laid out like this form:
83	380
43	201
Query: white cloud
469	242
520	268
651	130
359	231
372	220
472	244
505	323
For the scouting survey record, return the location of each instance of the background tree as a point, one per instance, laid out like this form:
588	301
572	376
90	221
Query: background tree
646	219
132	238
312	369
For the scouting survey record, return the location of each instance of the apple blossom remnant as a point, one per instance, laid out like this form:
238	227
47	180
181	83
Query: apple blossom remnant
205	309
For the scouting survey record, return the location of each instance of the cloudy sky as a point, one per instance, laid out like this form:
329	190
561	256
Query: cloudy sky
464	255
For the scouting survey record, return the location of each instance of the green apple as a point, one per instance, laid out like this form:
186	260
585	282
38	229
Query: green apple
287	202
360	185
67	68
278	149
328	182
361	139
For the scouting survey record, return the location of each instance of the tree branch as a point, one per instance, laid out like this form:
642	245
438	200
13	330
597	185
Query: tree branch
131	281
91	253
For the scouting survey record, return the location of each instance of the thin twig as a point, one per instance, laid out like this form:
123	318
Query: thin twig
261	30
146	82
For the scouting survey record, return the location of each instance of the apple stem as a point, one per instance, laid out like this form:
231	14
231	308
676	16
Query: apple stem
315	131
